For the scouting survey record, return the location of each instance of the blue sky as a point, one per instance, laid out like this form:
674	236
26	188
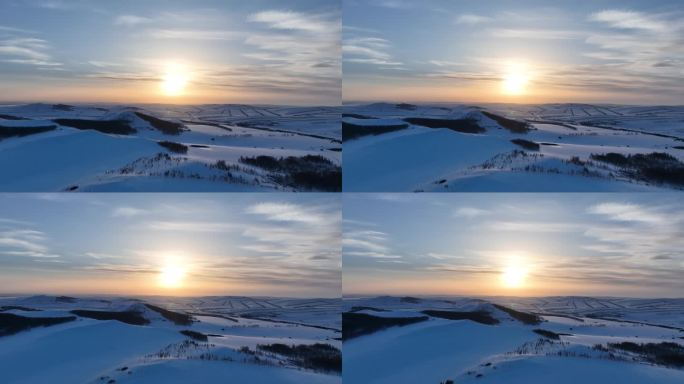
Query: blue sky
224	244
574	51
230	51
564	244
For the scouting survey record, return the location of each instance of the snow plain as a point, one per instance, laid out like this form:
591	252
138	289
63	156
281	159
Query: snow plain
91	351
70	159
465	351
422	159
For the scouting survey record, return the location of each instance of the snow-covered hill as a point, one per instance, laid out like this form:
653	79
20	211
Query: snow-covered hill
559	147
58	147
170	340
449	340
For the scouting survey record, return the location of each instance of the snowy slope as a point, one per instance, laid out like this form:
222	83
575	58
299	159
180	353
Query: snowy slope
438	349
419	158
215	138
87	350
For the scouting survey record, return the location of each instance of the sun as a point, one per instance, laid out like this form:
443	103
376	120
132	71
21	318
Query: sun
171	276
174	81
515	84
515	80
514	276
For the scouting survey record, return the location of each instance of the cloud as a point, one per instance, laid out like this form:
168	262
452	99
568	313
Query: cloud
533	226
628	212
288	212
100	255
629	20
4	28
442	256
131	20
191	226
471	212
535	34
290	20
121	268
27	50
471	19
368	50
299	53
463	269
393	4
367	243
24	243
128	212
296	234
193	34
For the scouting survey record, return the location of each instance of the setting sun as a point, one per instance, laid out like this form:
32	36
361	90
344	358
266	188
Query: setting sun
171	276
515	81
174	81
513	276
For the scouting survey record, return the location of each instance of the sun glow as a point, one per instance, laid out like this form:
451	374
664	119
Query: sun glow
171	276
514	275
515	80
174	81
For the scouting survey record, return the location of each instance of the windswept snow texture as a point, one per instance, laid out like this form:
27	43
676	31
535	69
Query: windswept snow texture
116	149
465	351
424	159
110	351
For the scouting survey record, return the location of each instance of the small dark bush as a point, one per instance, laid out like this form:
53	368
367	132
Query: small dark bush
510	124
319	356
523	317
17	308
529	145
407	107
482	317
175	317
128	317
115	127
65	299
359	324
195	335
611	158
354	131
410	300
310	172
6	132
12	117
174	147
63	107
11	323
550	334
658	167
166	127
669	354
221	164
459	125
330	181
266	162
362	308
355	116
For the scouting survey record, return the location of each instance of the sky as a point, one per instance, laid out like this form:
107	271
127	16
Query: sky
626	245
171	244
526	51
216	51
